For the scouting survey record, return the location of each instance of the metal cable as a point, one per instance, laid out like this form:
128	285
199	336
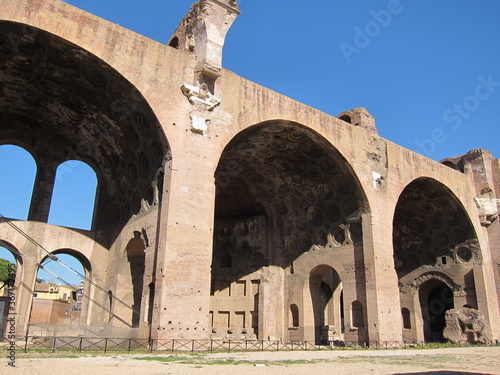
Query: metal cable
54	258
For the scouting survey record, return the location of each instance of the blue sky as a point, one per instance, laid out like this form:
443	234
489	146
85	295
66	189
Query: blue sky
429	72
72	201
414	64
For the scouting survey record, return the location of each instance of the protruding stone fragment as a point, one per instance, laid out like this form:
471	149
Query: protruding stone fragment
467	325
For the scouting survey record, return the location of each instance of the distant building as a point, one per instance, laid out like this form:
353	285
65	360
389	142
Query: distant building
63	293
56	304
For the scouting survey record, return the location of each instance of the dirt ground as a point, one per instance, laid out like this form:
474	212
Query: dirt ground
475	360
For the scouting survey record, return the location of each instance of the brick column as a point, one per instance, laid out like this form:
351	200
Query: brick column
382	291
42	192
183	272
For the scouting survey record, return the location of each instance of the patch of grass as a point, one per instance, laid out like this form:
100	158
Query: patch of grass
296	362
223	362
207	361
65	356
203	360
171	358
192	360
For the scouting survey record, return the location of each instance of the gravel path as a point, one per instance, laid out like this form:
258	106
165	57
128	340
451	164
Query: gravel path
434	362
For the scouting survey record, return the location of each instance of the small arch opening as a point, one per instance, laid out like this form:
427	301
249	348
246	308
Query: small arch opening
346	118
59	292
294	315
405	313
18	170
174	42
67	208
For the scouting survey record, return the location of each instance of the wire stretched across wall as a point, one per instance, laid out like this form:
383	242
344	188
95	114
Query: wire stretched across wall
54	258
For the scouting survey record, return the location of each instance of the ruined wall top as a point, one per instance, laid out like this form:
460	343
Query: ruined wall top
360	117
202	32
483	168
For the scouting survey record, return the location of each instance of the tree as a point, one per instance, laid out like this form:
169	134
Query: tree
6	270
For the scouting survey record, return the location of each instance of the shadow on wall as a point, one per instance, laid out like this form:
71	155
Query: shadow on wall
441	373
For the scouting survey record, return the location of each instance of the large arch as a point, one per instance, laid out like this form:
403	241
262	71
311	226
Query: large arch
282	191
434	242
66	103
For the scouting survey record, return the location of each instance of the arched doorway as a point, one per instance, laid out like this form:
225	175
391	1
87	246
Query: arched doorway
326	294
435	299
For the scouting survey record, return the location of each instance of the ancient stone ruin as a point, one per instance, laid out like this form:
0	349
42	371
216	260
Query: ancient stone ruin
228	211
467	325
